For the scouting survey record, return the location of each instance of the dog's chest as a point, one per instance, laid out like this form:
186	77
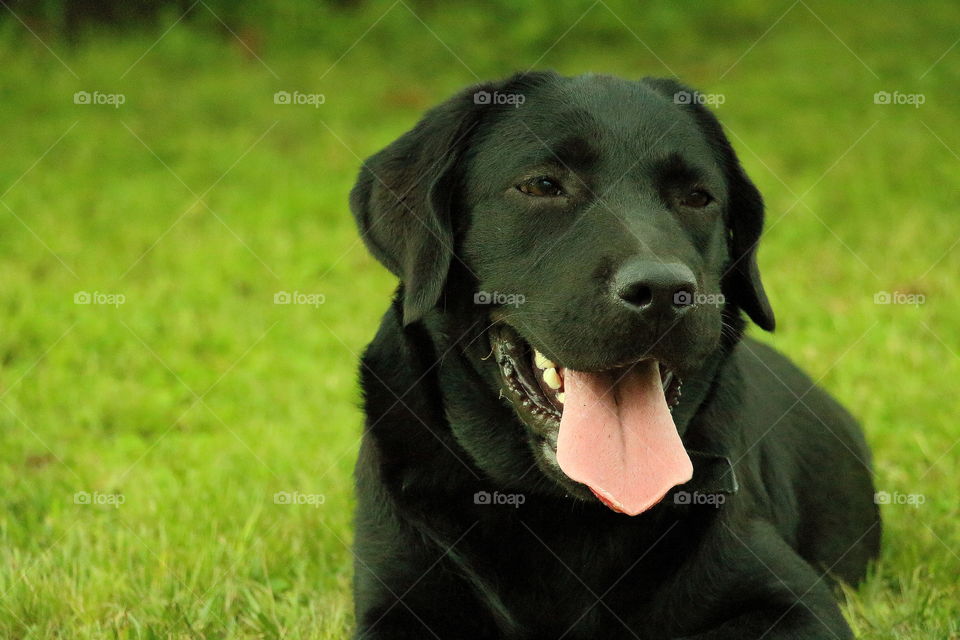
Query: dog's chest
574	582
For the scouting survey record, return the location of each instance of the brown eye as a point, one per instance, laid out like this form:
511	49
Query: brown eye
541	187
696	199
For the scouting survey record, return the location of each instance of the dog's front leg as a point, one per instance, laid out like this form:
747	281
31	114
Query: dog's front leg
754	585
409	586
406	596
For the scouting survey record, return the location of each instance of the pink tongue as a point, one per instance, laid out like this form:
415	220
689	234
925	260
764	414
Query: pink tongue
618	438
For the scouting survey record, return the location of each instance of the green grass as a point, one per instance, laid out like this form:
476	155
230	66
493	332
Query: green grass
198	398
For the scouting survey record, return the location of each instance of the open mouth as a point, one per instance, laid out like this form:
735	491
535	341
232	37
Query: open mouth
610	430
537	381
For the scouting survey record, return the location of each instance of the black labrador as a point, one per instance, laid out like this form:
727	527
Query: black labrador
566	434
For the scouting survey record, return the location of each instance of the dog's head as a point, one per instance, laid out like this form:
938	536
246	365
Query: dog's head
606	235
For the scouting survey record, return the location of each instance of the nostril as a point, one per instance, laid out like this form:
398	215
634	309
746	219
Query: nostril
638	294
683	297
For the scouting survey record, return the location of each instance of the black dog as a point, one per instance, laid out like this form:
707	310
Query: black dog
574	253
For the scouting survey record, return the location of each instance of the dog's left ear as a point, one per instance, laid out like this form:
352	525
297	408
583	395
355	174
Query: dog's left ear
744	211
403	198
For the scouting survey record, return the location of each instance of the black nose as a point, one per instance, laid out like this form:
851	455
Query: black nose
654	287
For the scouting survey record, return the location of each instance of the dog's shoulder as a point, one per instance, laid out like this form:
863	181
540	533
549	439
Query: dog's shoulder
776	389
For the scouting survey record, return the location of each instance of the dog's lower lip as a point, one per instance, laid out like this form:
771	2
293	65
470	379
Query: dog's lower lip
514	357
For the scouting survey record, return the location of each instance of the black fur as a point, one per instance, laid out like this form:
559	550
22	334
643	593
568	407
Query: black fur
438	208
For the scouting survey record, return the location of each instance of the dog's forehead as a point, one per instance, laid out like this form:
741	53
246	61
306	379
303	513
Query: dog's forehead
599	116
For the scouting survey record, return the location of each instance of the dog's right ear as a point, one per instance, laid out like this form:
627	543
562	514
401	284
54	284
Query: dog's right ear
404	196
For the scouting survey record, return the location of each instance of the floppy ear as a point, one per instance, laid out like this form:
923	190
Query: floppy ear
403	198
744	211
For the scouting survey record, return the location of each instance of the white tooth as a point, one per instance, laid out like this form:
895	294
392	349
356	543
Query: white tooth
560	397
552	378
541	361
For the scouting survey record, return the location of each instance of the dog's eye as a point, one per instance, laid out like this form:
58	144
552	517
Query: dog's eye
541	187
696	199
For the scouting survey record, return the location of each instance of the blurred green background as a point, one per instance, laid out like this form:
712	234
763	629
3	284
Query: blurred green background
154	398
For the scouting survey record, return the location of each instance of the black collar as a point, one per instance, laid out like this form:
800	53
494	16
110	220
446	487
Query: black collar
712	473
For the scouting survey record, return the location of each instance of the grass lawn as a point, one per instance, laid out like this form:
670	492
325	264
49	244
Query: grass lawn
143	436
